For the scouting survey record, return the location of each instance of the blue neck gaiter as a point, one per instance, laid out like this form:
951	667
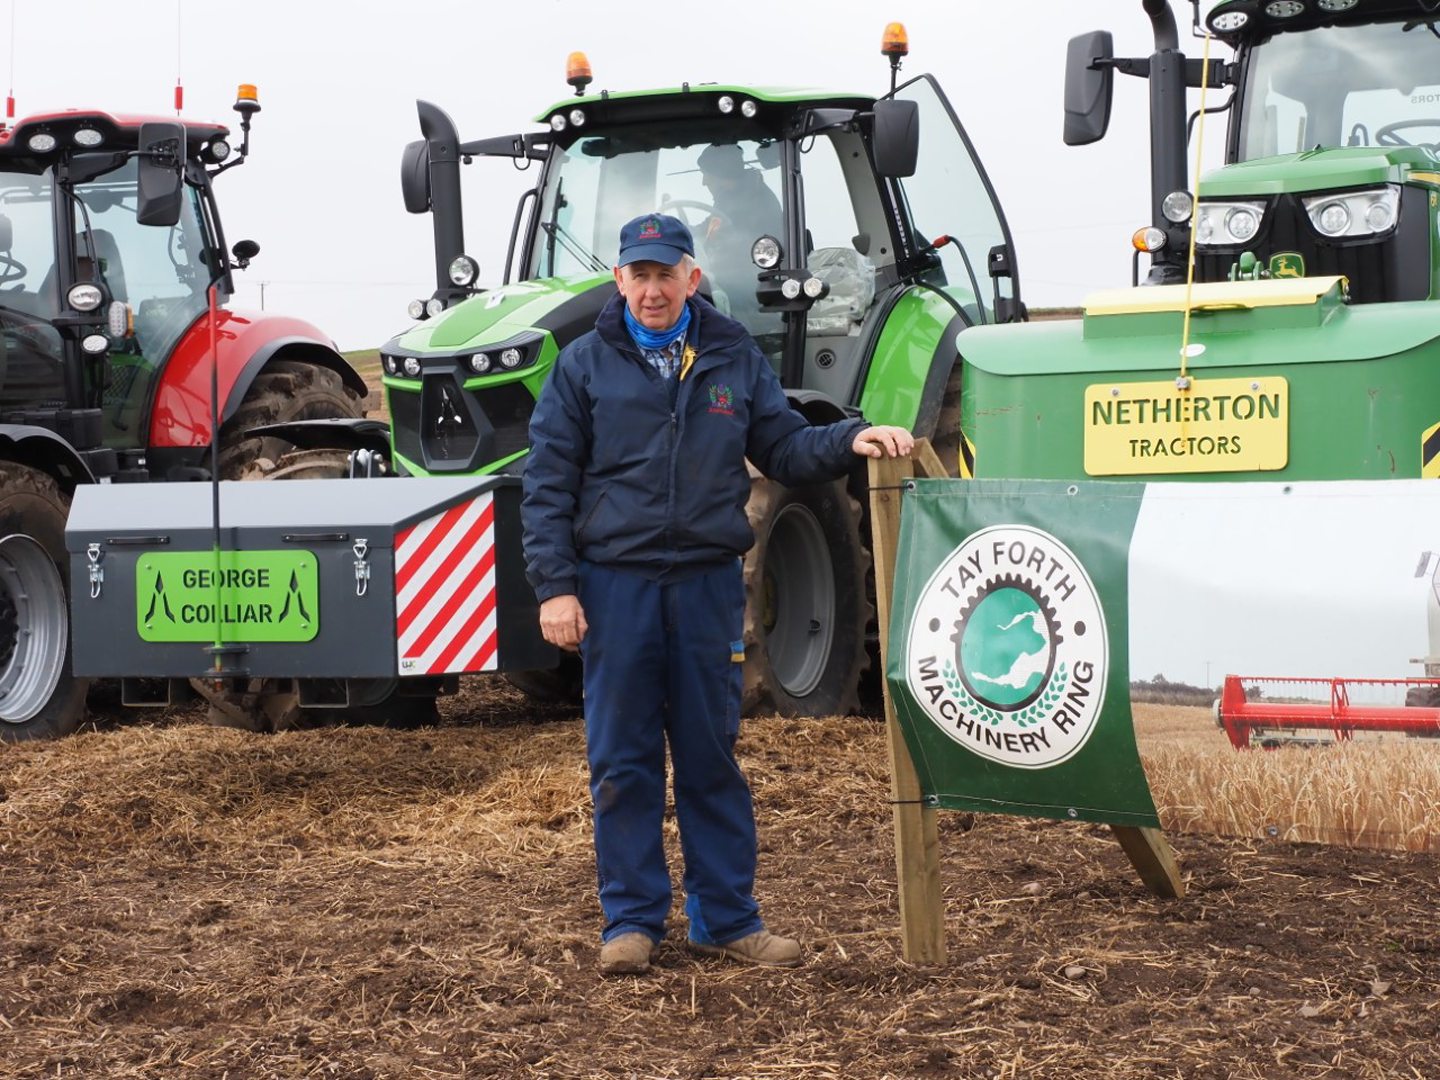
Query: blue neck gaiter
655	340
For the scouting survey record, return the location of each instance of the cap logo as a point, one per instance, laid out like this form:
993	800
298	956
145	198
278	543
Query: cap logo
650	230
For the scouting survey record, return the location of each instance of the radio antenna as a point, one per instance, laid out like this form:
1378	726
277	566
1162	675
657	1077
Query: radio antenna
10	97
179	53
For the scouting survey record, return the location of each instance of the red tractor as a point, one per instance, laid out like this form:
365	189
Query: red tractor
114	281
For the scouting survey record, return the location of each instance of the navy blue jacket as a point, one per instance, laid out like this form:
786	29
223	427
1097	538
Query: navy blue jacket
620	475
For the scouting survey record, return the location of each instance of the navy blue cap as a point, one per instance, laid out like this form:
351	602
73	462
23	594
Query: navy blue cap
655	238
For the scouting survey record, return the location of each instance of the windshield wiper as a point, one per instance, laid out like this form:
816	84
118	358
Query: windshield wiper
581	254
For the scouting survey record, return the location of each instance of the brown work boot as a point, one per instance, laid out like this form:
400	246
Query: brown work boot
761	948
626	954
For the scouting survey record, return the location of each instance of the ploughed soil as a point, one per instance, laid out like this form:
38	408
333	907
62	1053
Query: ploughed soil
183	901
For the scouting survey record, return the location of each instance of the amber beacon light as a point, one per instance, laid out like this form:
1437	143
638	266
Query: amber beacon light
577	72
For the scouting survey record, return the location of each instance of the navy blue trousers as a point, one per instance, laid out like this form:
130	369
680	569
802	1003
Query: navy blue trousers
660	665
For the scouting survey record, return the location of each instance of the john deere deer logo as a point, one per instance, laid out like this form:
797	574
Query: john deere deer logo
1287	264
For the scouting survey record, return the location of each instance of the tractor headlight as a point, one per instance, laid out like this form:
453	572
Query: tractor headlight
1354	213
748	109
463	271
412	366
511	358
725	103
577	117
434	306
390	364
480	363
94	344
557	122
1177	207
42	142
415	309
87	137
765	253
1224	224
84	297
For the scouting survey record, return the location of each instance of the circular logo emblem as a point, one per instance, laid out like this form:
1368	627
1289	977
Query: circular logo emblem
1007	651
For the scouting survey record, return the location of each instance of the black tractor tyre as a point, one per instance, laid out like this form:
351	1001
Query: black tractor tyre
806	608
285	391
40	697
564	684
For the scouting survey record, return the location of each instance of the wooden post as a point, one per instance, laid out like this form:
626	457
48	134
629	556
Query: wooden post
1150	854
917	834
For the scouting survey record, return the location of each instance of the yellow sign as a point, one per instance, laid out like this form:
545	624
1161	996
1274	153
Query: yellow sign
1217	425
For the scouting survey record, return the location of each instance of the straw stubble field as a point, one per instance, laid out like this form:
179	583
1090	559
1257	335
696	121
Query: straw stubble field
182	901
1383	794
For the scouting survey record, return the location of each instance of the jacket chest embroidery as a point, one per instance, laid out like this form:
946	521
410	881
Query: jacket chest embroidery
721	400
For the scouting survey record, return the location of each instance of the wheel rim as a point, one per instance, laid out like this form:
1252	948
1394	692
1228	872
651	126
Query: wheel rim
34	628
800	600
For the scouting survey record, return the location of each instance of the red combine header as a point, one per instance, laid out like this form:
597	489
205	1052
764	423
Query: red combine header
1320	710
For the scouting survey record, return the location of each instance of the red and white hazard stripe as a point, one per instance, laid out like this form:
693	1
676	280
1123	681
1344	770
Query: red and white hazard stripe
445	591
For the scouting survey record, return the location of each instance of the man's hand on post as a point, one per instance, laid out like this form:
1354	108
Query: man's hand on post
884	441
562	622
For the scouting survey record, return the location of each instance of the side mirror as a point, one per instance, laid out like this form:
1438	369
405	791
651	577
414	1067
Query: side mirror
244	251
1089	87
415	176
896	138
160	169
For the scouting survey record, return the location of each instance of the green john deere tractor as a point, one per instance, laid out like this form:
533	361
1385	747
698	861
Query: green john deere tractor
855	238
1312	343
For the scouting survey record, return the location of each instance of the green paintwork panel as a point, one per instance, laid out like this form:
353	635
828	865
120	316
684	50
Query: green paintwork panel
1150	342
903	356
263	596
496	314
1364	385
778	95
1316	170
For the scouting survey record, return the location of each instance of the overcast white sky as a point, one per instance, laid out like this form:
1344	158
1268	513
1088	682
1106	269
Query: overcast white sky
1281	579
338	83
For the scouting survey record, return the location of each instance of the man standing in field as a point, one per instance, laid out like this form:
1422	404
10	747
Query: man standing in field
634	515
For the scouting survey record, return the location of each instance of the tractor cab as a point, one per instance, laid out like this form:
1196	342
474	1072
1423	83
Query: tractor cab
105	259
1331	151
814	215
854	236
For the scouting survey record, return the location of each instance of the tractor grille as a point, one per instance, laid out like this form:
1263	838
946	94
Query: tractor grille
448	429
1395	267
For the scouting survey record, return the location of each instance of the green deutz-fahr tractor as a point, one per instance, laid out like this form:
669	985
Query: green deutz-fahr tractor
855	238
1319	230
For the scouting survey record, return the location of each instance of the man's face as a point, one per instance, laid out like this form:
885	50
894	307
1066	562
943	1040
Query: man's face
656	293
717	184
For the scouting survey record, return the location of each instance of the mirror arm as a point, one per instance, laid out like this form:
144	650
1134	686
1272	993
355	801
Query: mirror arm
1137	66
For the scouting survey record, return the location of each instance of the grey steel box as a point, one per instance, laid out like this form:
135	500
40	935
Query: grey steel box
380	606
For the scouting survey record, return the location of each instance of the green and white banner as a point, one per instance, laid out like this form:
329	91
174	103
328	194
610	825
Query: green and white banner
1258	659
1008	661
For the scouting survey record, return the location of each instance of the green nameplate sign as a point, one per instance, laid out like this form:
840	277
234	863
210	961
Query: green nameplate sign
259	596
1008	663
